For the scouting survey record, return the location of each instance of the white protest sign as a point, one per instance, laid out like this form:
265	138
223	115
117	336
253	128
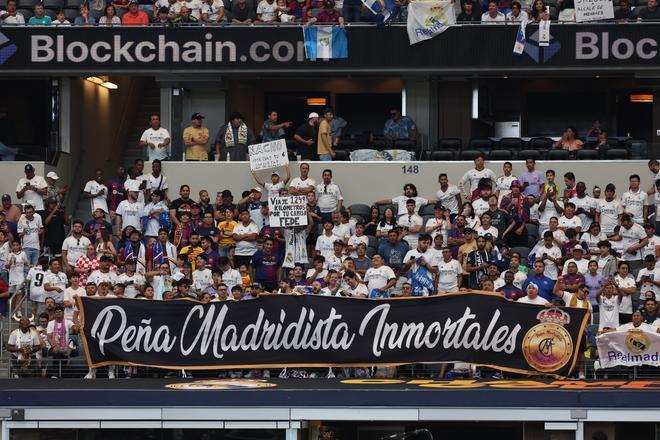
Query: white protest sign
591	10
288	211
268	155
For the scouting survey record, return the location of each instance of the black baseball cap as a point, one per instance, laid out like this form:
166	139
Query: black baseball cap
197	116
28	167
6	197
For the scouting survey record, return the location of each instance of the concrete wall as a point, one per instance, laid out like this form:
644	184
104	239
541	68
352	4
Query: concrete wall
366	182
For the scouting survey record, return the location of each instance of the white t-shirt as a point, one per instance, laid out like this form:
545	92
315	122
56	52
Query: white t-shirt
18	263
626	301
131	283
267	10
75	248
586	203
30	230
246	248
377	278
499	18
634	202
194	6
410	221
359	291
156	137
653	274
608	309
447	275
548	212
539	300
202	279
36	278
97	277
325	245
630	237
448	198
67	326
93	187
342	231
231	278
503	185
582	265
573	222
297	183
656	198
131	214
643	327
18	19
609	214
354	240
334	262
33	197
430	256
432	223
274	189
135	184
69	293
327	196
157	183
58	280
649	249
551	270
400	202
480	206
19	339
481	231
470	180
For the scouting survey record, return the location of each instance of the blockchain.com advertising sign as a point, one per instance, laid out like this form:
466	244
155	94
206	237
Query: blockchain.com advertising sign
370	49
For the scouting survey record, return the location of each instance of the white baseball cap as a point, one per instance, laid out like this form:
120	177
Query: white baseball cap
312	115
53	175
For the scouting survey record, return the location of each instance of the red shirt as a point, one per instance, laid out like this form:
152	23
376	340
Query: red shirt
325	17
139	19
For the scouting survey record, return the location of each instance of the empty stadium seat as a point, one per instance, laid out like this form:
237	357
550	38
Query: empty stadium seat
541	143
378	144
453	144
509	143
342	155
53	4
360	209
442	155
427	210
29	4
73	4
616	153
637	148
500	155
613	143
404	145
482	145
530	154
470	154
347	144
523	251
587	155
557	155
27	13
71	14
373	242
532	230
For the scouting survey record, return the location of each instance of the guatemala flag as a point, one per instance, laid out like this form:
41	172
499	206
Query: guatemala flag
384	8
325	42
519	45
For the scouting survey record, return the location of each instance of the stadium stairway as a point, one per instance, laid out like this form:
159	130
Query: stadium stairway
149	103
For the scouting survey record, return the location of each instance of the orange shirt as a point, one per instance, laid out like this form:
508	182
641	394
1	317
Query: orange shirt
139	19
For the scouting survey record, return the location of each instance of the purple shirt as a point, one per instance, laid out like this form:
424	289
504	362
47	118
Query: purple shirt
534	181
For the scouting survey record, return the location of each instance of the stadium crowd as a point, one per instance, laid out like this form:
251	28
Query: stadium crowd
535	238
247	12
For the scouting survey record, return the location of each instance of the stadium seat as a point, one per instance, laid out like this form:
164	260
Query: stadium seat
482	145
500	155
637	148
27	13
71	14
378	144
530	154
613	143
347	144
509	143
404	145
427	210
540	143
616	153
72	4
532	230
470	154
557	155
523	251
453	144
360	209
29	4
443	155
373	242
53	4
358	218
341	155
587	155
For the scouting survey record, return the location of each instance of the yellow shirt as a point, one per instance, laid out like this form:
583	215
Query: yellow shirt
228	226
325	138
196	151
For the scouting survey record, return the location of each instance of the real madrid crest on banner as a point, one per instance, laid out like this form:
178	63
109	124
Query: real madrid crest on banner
548	346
